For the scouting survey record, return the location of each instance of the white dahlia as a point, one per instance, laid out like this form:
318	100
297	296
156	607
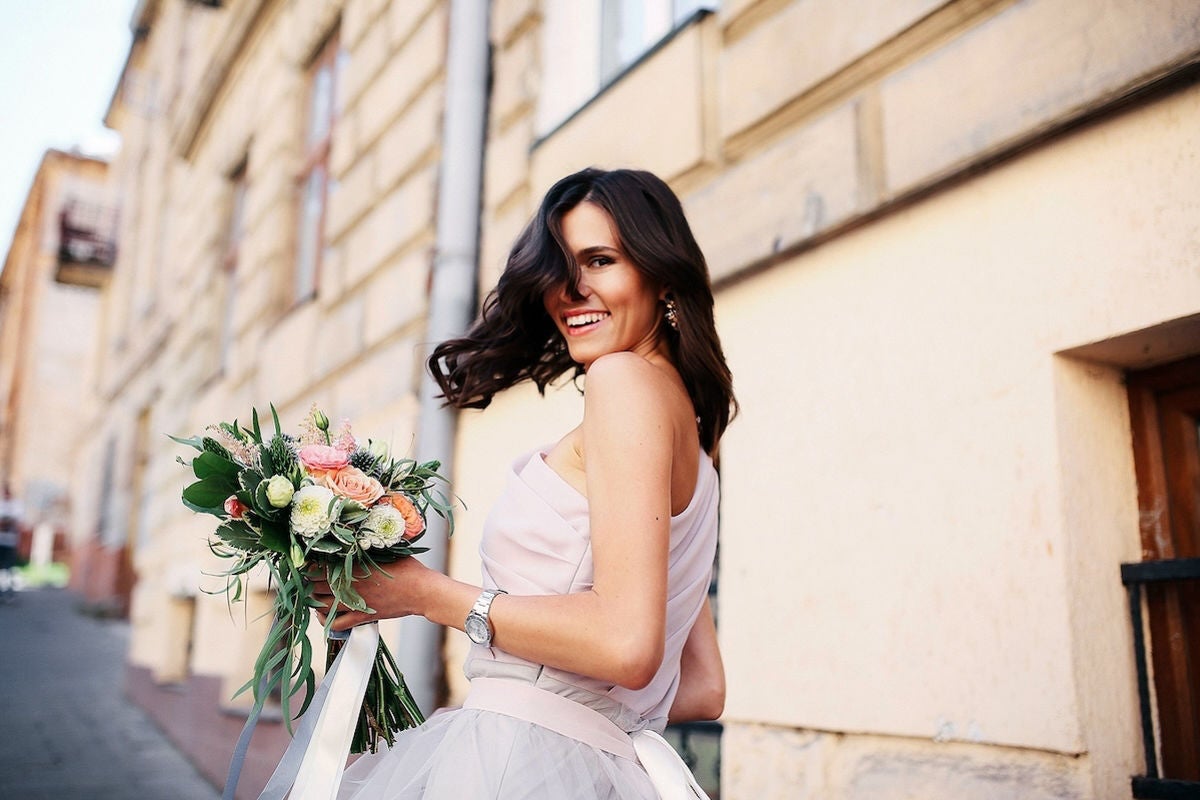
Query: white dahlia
383	527
310	511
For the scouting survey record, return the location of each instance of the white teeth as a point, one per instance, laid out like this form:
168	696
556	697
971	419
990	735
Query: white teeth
578	320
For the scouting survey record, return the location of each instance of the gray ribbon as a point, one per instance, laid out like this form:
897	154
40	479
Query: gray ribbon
289	765
285	772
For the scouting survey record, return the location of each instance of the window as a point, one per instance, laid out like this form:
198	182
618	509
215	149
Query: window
234	232
588	44
314	175
1165	412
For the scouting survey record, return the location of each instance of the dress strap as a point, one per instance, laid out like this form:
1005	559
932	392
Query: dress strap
527	702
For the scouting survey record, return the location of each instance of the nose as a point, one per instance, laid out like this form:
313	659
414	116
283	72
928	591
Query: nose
572	291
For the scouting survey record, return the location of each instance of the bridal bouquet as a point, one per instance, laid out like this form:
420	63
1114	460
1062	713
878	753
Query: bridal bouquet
317	503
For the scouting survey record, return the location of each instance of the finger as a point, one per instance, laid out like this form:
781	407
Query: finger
345	620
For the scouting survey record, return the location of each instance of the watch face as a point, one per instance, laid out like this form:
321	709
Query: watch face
477	629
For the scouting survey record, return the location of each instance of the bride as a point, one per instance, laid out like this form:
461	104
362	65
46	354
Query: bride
591	624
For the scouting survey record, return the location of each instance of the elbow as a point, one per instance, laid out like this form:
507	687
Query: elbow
637	665
712	701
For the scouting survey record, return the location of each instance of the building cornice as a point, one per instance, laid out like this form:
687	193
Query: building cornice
186	128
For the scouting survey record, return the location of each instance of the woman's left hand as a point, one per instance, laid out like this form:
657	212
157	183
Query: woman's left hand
392	591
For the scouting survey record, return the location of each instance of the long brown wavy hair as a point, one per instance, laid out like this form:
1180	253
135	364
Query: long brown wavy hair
514	339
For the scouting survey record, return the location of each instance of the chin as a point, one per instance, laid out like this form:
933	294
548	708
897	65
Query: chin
583	357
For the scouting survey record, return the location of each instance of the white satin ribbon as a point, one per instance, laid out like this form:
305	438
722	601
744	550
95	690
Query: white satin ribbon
328	726
670	775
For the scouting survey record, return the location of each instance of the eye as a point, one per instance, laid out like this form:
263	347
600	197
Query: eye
599	261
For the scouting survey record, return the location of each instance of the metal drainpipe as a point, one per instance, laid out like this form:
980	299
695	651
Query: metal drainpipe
451	296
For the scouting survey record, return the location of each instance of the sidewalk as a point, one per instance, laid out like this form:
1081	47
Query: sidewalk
69	732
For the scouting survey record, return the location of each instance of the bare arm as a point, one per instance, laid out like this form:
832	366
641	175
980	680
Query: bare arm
701	694
614	631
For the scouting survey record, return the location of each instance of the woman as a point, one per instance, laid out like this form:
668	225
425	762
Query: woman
593	620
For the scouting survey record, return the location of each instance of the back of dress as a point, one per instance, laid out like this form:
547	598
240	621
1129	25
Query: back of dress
537	541
528	732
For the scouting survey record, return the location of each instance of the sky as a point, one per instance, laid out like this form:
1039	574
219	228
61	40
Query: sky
59	65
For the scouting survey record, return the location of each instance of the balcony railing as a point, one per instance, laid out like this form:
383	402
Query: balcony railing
1152	786
87	244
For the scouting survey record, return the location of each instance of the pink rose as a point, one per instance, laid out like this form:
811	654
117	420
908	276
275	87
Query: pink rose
414	523
353	484
234	507
319	459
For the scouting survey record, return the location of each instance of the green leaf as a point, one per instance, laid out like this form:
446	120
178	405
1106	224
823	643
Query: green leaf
194	441
205	497
249	480
352	513
261	501
209	464
345	534
254	421
267	460
275	417
325	546
276	536
237	534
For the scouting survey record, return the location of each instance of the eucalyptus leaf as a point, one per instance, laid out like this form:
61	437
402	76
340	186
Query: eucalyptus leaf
193	441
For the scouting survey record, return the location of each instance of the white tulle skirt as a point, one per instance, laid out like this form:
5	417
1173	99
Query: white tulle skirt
472	754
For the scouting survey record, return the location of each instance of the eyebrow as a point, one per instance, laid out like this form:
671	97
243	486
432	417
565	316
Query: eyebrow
596	248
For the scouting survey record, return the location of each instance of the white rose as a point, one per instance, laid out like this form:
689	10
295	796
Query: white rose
280	491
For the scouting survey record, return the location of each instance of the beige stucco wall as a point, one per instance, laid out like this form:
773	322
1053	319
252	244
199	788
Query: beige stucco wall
924	506
940	500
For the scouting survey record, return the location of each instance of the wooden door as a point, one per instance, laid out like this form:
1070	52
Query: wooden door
1165	408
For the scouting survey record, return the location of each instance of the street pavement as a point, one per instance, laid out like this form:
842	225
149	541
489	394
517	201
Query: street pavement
67	730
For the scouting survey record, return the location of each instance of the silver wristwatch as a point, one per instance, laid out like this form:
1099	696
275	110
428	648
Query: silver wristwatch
477	626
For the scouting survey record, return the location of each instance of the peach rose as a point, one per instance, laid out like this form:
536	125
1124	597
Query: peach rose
414	524
353	484
319	459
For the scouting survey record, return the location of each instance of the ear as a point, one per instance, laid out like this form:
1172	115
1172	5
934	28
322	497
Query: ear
664	293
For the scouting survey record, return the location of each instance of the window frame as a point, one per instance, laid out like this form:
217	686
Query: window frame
235	233
703	9
306	279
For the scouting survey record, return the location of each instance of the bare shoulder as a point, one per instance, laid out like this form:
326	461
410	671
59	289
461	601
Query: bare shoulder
628	399
625	377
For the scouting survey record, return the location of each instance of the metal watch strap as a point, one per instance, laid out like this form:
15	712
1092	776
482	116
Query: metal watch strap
483	607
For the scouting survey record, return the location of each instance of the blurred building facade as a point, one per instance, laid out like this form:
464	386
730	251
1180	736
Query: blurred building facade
60	257
954	247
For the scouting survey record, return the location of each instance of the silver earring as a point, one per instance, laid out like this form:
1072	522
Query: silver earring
672	314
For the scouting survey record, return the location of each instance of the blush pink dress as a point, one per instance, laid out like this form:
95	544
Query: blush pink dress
532	732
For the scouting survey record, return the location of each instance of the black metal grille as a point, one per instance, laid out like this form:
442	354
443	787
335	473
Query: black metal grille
1152	786
699	745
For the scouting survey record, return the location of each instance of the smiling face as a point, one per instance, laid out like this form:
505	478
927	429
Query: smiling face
617	308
